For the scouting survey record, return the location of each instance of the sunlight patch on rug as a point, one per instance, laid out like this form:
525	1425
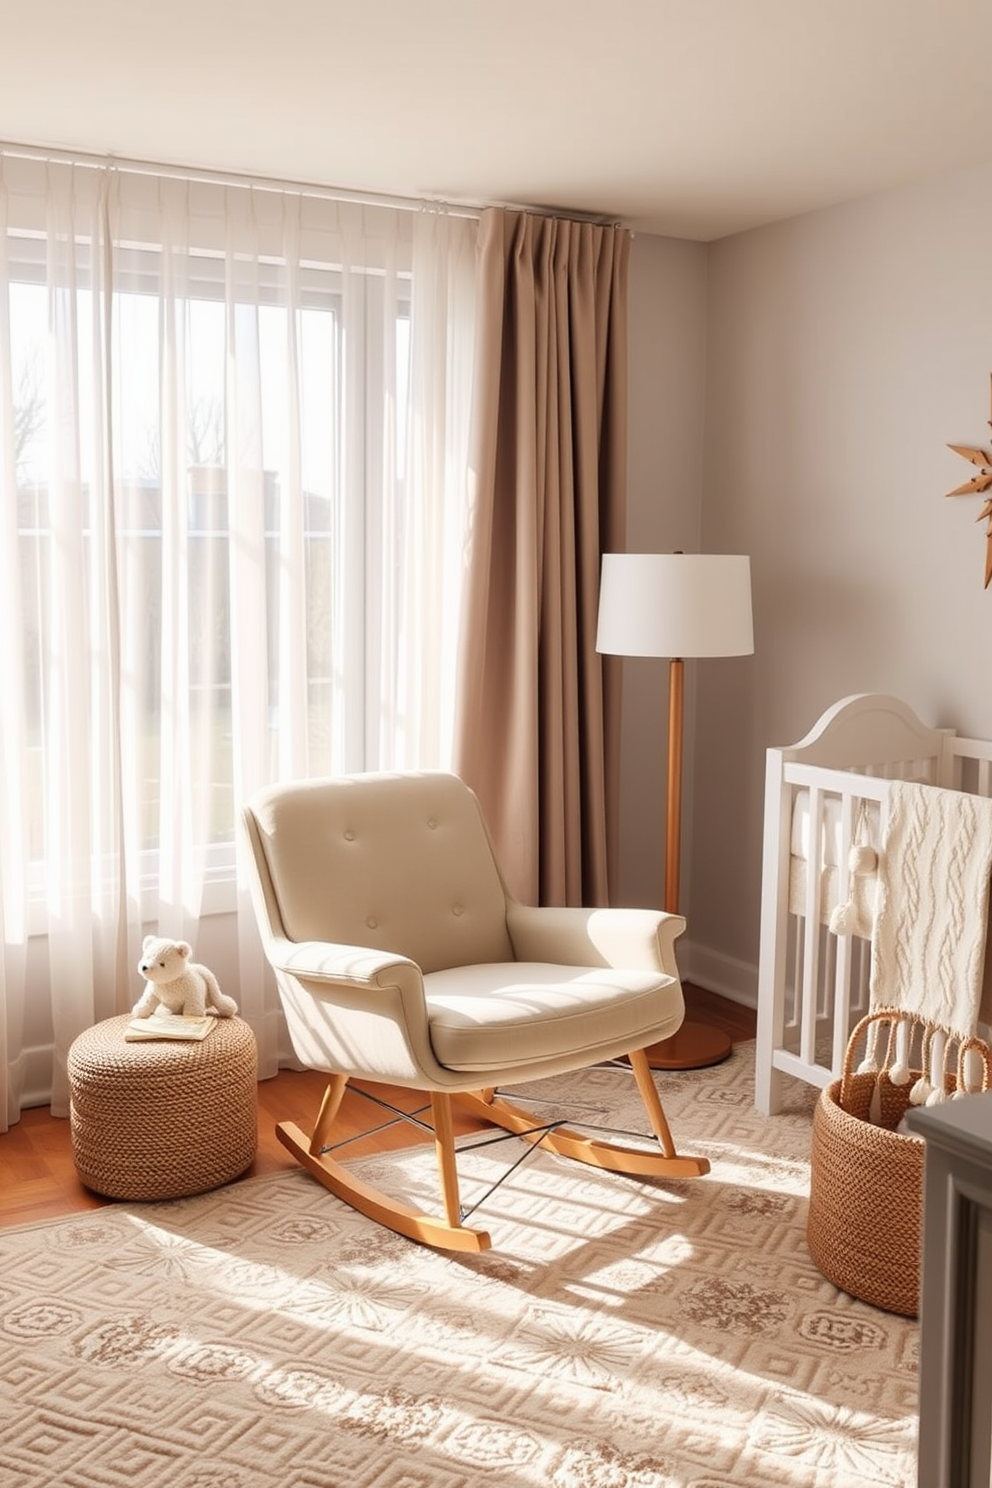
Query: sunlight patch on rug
620	1333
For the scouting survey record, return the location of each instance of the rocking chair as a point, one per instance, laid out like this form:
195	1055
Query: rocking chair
401	959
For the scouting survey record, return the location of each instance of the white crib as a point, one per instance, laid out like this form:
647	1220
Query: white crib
821	796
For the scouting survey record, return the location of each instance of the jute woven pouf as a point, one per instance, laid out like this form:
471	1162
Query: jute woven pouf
164	1118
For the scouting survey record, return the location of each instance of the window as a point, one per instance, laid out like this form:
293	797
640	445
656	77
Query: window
237	462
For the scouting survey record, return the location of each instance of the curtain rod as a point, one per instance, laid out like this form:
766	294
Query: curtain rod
235	178
464	208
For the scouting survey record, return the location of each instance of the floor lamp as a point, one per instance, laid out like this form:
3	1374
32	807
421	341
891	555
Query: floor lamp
677	605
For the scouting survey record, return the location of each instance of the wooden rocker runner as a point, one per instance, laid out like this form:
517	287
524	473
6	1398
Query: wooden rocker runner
401	959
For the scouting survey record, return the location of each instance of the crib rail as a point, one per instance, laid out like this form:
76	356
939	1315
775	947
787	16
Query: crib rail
812	984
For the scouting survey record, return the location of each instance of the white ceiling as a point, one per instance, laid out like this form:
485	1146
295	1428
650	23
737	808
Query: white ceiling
694	118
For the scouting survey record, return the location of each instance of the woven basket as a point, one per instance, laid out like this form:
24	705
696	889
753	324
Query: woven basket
866	1181
162	1119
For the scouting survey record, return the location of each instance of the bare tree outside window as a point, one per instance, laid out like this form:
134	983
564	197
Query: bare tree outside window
205	441
29	409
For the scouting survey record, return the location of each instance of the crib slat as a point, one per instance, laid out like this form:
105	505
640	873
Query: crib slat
811	940
791	1012
774	936
841	1010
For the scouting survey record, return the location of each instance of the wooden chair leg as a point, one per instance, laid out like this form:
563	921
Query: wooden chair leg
444	1146
428	1229
329	1107
652	1101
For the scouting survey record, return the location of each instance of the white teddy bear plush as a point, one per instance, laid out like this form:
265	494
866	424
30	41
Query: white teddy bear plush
177	983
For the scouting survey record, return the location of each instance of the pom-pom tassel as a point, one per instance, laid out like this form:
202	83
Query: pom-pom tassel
863	861
920	1093
899	1074
971	1070
869	1065
938	1051
843	918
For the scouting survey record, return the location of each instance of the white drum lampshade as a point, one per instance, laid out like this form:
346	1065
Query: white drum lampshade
675	604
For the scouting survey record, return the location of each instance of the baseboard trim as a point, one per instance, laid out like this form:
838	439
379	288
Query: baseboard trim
704	967
36	1082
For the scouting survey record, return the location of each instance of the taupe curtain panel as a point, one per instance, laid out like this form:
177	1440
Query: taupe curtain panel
538	729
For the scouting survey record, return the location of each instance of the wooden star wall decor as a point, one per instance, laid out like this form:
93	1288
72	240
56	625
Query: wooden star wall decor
980	483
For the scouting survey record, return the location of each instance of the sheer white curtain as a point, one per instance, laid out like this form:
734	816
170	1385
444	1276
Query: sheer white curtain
233	431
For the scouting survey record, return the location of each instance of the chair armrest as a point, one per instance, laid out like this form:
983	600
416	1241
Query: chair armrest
355	1009
328	961
320	966
636	939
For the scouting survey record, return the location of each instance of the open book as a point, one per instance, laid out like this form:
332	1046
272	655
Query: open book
168	1026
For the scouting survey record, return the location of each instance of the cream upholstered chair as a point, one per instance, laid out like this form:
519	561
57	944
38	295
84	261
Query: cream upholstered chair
401	959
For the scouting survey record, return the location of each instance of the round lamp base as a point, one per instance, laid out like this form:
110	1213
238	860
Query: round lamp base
694	1046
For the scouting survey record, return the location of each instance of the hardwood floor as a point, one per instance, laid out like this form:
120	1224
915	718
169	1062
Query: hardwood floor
38	1179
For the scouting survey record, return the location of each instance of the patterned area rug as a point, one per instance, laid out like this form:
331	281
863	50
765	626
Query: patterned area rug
620	1333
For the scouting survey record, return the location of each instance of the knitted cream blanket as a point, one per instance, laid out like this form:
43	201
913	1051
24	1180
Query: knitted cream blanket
931	909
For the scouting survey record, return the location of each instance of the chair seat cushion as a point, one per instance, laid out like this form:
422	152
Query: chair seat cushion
509	1014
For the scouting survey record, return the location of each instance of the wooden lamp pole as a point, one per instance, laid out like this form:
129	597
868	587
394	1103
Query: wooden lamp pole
695	1045
673	820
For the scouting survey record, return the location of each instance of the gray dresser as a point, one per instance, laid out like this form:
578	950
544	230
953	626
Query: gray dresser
955	1448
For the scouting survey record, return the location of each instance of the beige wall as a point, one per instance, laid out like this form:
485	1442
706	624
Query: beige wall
843	350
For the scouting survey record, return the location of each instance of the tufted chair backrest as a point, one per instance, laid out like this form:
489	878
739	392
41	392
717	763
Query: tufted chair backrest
398	862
